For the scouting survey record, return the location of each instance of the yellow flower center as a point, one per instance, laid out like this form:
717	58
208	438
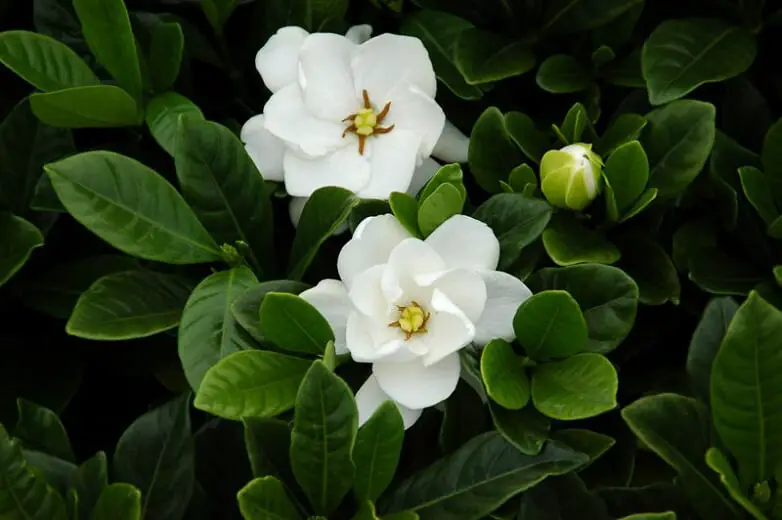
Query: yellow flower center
366	121
412	320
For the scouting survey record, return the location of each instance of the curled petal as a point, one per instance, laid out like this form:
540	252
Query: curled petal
369	398
278	60
465	242
265	149
371	245
325	77
504	295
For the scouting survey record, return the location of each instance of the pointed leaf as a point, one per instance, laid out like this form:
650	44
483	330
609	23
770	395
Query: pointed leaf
89	481
523	131
706	341
492	153
293	324
526	429
377	450
118	501
95	106
264	499
246	307
162	117
485	57
165	54
19	239
719	463
40	429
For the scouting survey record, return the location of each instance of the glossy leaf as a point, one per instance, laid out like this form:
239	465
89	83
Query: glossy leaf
484	57
760	193
20	238
40	429
324	432
128	305
526	429
208	331
89	481
624	129
771	153
567	242
162	116
563	74
645	260
165	54
119	501
246	307
682	54
719	463
443	203
253	383
570	16
264	498
476	479
156	455
524	132
550	324
44	62
405	209
377	451
131	207
293	324
706	341
627	172
504	375
94	106
492	154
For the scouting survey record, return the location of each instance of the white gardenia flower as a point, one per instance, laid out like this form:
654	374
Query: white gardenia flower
408	306
319	73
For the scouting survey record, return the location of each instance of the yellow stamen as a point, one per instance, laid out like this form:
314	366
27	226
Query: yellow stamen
412	320
366	121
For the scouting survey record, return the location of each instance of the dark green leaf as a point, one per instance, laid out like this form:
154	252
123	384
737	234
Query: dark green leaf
677	429
682	54
448	174
40	429
485	57
119	501
106	27
771	155
759	192
439	33
719	463
585	441
445	202
627	172
128	305
156	455
706	342
165	55
522	179
576	122
246	308
626	128
377	450
550	325
44	62
20	238
571	16
324	212
492	154
208	332
504	375
324	431
224	188
567	242
641	204
293	324
526	429
405	209
96	106
626	72
253	383
523	131
716	271
162	117
563	497
264	499
89	482
645	260
57	472
563	74
476	479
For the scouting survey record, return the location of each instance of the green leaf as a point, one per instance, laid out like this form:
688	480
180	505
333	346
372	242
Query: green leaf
156	455
165	55
293	324
485	57
626	72
95	106
246	307
89	481
771	155
162	117
445	202
265	499
517	221
106	27
464	416
131	207
682	54
439	33
324	431
718	272
129	305
377	450
581	386
744	381
523	131
759	192
607	296
627	172
23	494
44	62
625	128
645	260
324	212
20	238
549	324
526	429
678	139
719	463
571	16
567	242
268	443
677	429
405	209
207	331
575	123
641	204
252	383
218	12
492	154
668	515
505	376
523	180
585	441
57	472
563	74
448	174
224	188
476	479
706	341
118	501
40	429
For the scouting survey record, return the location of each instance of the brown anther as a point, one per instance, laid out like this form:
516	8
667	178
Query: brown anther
383	129
365	122
351	128
365	94
383	113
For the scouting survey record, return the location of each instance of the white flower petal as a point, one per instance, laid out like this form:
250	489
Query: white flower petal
413	259
343	167
369	341
325	76
504	295
369	398
330	297
287	117
265	149
358	34
416	386
465	242
422	175
372	243
366	293
393	160
448	330
464	288
385	61
453	145
278	59
413	110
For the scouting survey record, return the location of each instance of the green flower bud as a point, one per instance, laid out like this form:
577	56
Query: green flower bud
572	177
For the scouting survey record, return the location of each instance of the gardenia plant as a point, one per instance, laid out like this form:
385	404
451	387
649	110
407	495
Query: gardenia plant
408	306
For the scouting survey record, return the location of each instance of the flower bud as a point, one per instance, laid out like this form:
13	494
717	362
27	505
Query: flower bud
571	178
